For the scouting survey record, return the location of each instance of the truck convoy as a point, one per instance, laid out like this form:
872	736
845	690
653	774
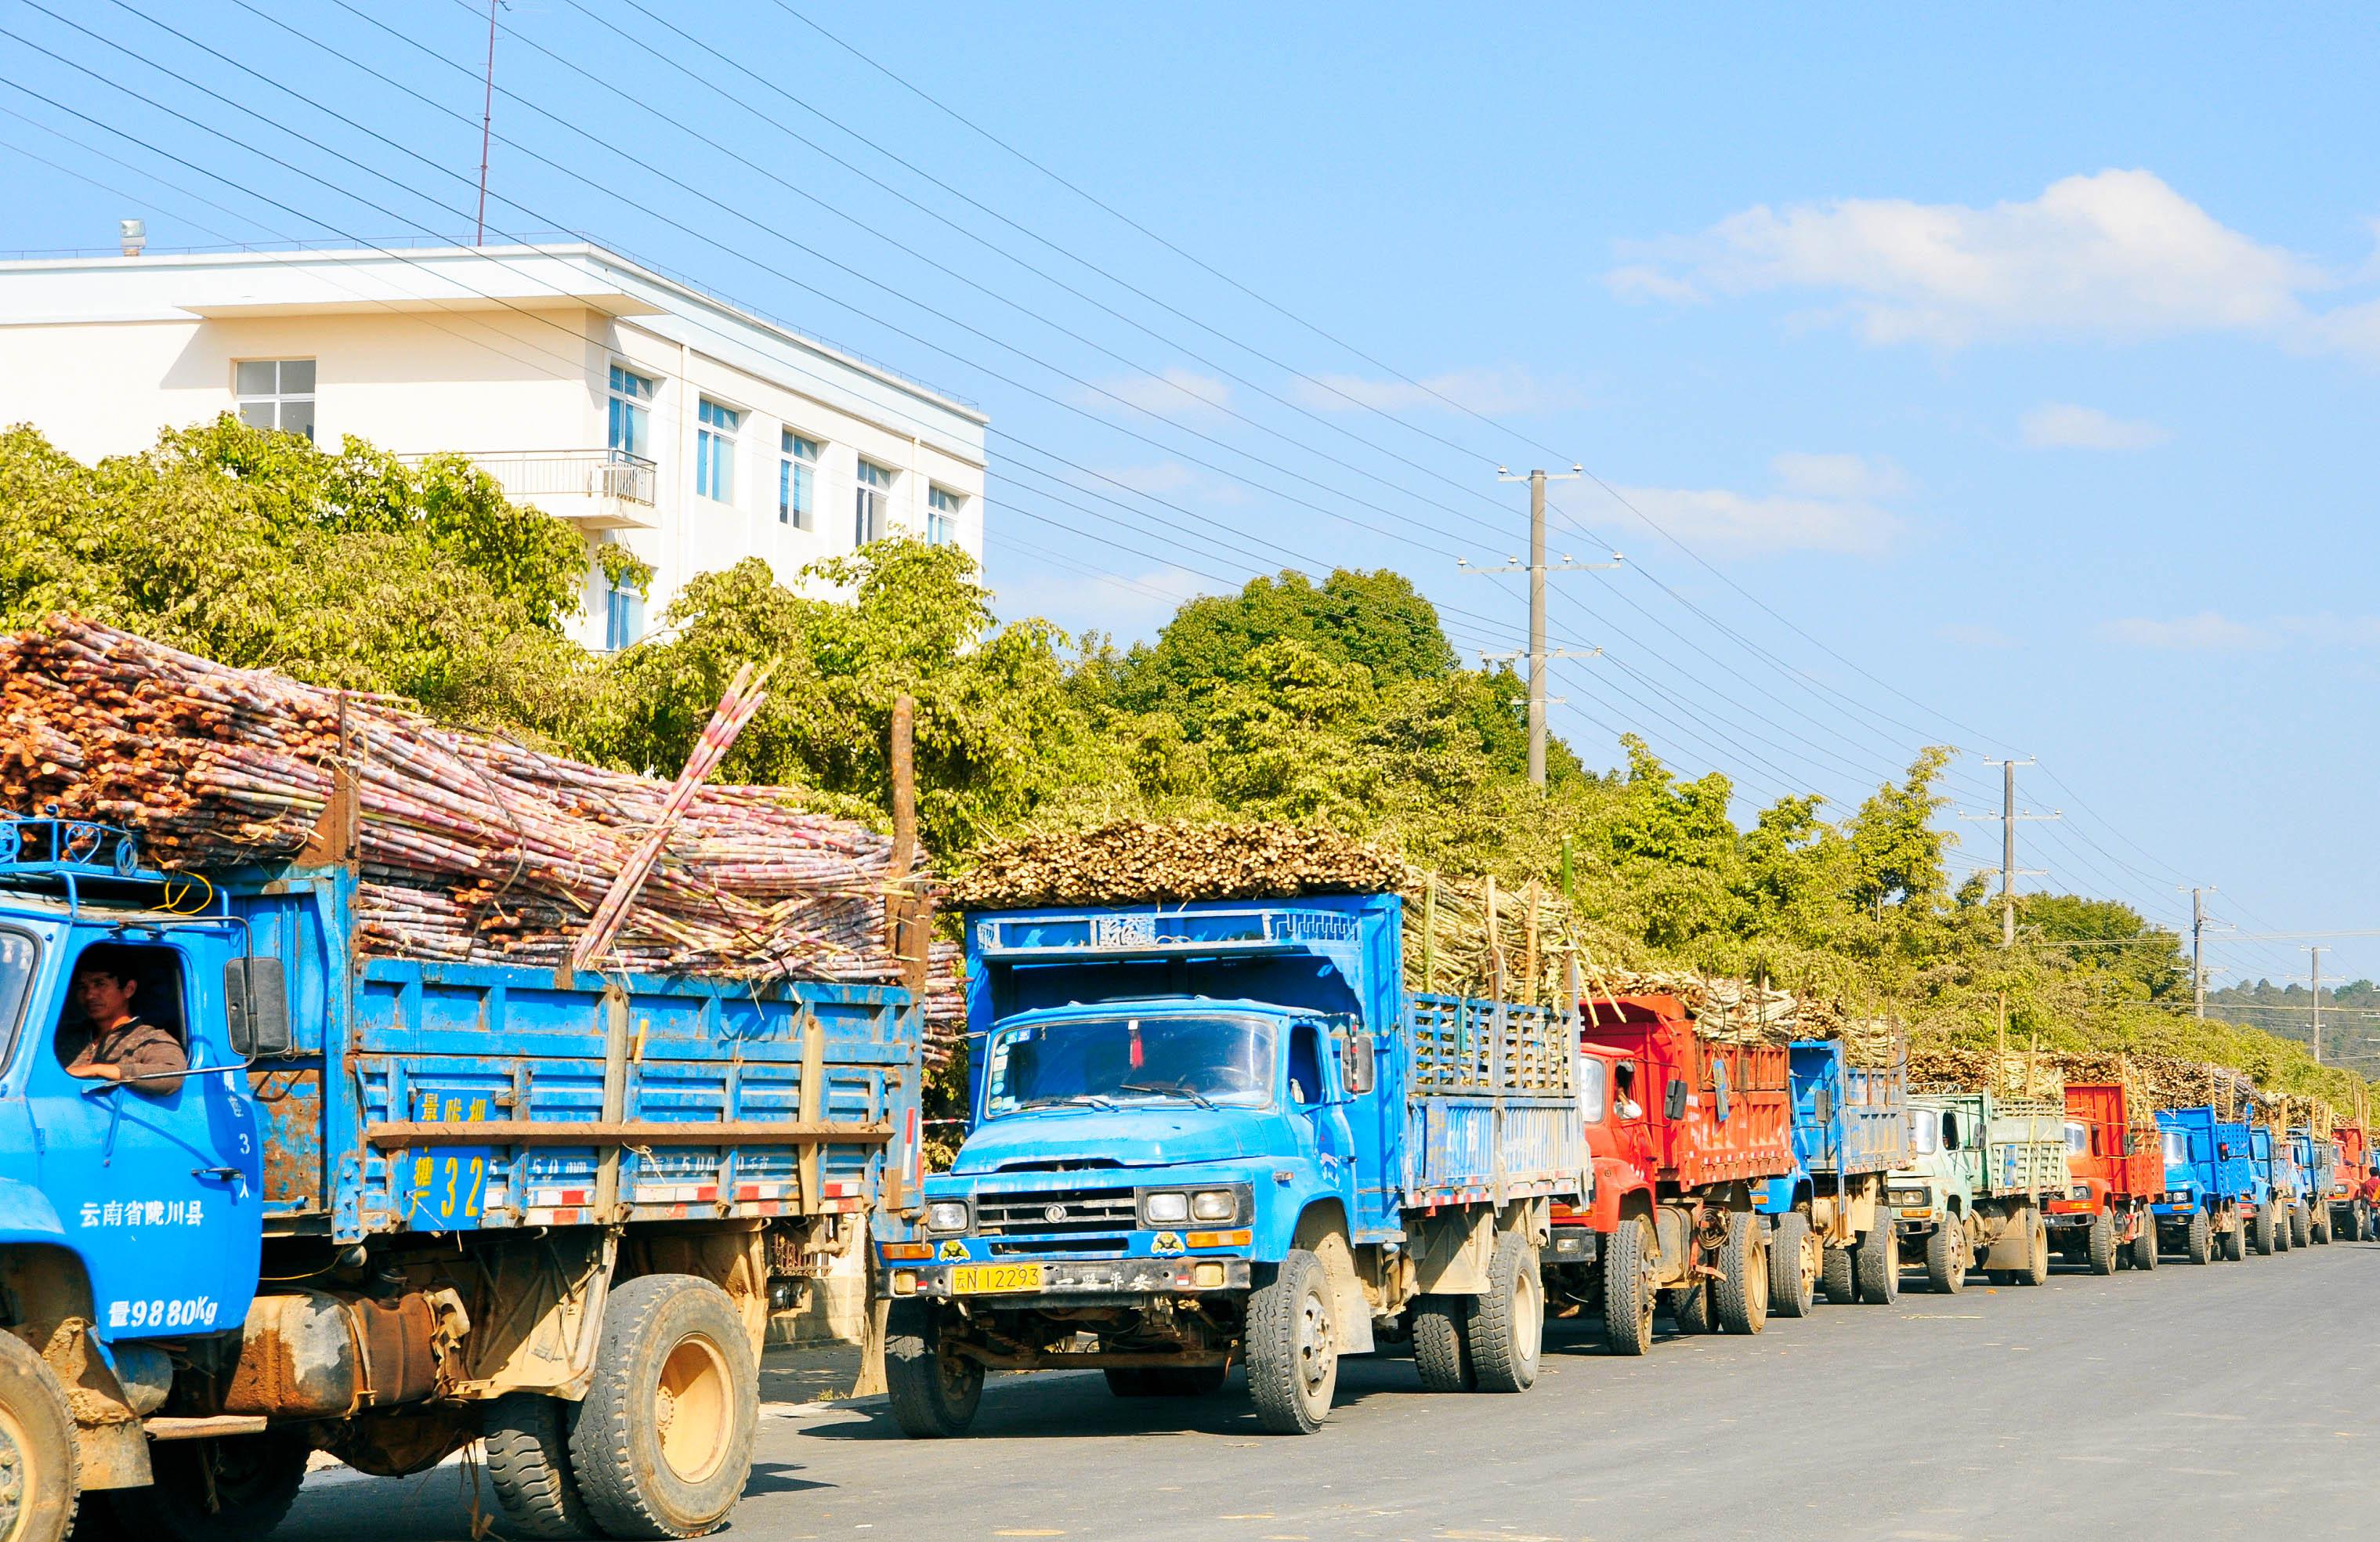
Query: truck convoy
2115	1160
1688	1130
2210	1185
392	1206
1224	1131
1971	1194
1828	1217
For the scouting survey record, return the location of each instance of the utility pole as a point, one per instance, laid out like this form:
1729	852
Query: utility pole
2316	951
2009	819
2198	952
1538	653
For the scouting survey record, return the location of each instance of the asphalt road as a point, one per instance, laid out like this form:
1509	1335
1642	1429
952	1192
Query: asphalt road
2238	1400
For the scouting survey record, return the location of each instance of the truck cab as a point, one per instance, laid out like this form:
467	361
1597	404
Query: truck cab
1970	1194
2316	1158
2117	1168
2210	1184
1827	1220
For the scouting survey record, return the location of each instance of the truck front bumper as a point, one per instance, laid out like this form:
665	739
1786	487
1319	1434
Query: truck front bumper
1075	1282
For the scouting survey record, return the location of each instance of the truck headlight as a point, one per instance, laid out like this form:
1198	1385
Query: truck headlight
946	1215
2078	1192
1166	1210
1214	1204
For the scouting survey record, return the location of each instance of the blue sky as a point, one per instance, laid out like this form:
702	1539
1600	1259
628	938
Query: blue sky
2021	364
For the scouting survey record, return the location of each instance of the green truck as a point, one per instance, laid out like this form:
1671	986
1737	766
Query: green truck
1971	1193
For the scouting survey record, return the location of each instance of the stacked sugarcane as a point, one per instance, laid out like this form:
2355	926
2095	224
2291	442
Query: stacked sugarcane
470	849
1144	861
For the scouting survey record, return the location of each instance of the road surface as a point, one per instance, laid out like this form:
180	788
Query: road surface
2238	1400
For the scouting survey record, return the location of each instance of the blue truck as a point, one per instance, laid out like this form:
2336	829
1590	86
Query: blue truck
2316	1158
1222	1131
1829	1224
2276	1179
2211	1188
392	1207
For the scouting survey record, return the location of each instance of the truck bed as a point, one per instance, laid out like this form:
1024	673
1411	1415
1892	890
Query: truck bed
2024	1150
443	1097
1864	1127
1490	1113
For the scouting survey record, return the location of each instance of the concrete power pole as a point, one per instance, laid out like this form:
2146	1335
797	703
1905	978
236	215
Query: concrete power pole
2316	951
2009	819
2198	953
1536	568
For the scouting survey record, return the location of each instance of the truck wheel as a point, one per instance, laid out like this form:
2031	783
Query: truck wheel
1628	1290
2145	1244
934	1389
2198	1243
2261	1233
2235	1241
2037	1271
2101	1242
2362	1223
664	1440
1792	1267
1507	1324
1292	1347
527	1438
40	1467
1438	1324
2318	1226
1689	1307
2300	1226
233	1489
1876	1266
1835	1272
1946	1258
1739	1297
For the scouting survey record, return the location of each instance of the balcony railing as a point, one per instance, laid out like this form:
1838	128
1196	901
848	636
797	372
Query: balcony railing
609	478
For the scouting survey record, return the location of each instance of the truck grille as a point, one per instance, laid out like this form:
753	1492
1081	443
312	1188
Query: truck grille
1056	1212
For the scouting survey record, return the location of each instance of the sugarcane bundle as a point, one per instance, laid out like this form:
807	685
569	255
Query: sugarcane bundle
469	848
1168	862
1938	1065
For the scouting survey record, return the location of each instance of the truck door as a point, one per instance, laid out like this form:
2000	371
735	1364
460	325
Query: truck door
159	1191
1315	1099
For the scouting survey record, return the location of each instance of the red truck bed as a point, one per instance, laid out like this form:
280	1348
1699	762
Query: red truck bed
1730	1116
2129	1155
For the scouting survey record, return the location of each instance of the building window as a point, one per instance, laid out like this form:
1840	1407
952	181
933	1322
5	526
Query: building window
631	431
871	499
714	452
798	481
623	617
276	394
943	508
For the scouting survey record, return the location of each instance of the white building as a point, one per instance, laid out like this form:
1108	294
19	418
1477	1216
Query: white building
685	428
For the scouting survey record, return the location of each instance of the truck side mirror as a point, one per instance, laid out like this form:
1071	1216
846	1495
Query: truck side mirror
1362	1068
1673	1103
1949	1131
256	1005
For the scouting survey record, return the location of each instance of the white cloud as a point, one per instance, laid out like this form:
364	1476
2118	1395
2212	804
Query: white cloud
2208	632
1839	476
1743	525
2118	254
1492	392
1972	634
1170	393
2065	426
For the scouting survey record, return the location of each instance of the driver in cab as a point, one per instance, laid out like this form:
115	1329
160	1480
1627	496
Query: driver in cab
118	1045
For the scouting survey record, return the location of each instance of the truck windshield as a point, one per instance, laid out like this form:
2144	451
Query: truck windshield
18	954
1924	1131
1199	1058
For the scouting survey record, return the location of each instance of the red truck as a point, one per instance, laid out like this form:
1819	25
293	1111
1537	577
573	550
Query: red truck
2116	1160
1679	1128
2354	1187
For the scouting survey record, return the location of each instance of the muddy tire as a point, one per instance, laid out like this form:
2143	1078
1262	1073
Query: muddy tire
2300	1227
2037	1271
2099	1242
1793	1268
1838	1277
1628	1289
1439	1351
1507	1328
2318	1226
233	1489
40	1465
2235	1242
664	1440
934	1390
1739	1297
1876	1265
1293	1346
2198	1241
1946	1258
2263	1230
2143	1247
527	1438
1690	1307
2361	1222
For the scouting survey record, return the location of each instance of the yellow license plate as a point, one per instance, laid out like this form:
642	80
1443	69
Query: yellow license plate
992	1279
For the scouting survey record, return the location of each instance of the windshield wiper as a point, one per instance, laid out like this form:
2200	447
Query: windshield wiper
1095	1100
1169	1089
